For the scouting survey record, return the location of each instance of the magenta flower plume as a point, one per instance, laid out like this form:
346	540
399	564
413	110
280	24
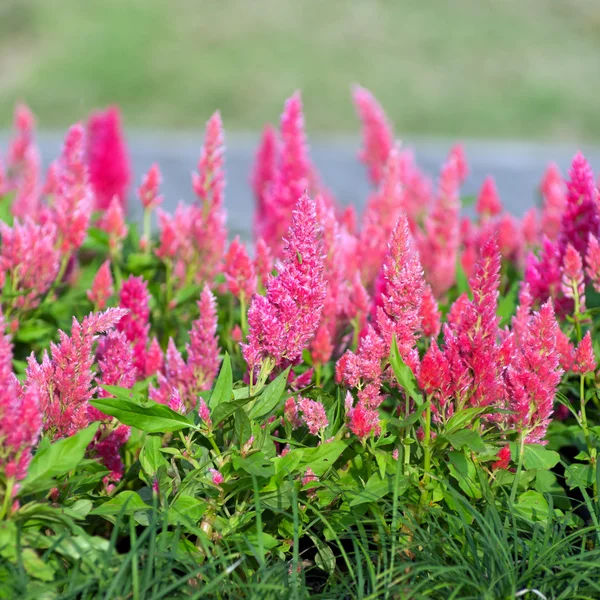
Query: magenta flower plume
24	125
102	287
431	317
581	216
400	314
72	205
362	421
265	168
134	296
584	360
292	178
377	134
108	158
107	447
554	194
203	349
154	358
113	222
592	261
488	202
20	416
65	379
543	273
313	415
263	262
520	322
209	182
282	323
239	271
29	260
148	192
566	351
573	283
435	379
534	375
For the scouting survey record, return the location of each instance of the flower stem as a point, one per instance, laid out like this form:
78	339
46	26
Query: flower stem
513	493
586	430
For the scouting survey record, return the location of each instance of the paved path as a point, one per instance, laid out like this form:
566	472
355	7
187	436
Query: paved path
516	166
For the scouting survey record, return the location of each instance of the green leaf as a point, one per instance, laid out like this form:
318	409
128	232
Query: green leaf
148	416
225	410
324	559
184	295
532	505
242	426
404	375
471	439
151	458
35	566
578	475
56	459
322	457
224	385
535	456
377	487
270	397
464	417
462	281
186	509
463	470
507	304
255	464
125	503
410	420
34	331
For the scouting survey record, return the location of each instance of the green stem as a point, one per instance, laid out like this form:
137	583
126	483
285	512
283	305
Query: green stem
406	454
243	315
318	374
135	578
586	431
7	499
427	445
147	227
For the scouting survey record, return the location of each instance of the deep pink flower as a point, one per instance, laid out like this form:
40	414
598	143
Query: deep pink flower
107	448
108	158
263	262
134	297
72	202
148	191
283	322
565	350
377	134
29	259
102	287
520	322
534	375
204	413
554	195
66	380
217	478
113	222
363	421
430	313
366	365
313	415
592	261
572	283
264	169
292	178
291	413
435	379
503	458
584	361
20	415
239	271
203	349
175	403
543	273
309	477
154	358
488	202
400	314
321	347
581	216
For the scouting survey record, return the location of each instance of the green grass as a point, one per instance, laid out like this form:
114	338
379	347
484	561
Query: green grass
460	68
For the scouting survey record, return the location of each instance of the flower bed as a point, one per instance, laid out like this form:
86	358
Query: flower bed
336	398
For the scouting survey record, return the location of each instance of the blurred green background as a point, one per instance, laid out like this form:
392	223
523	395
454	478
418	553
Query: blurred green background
469	68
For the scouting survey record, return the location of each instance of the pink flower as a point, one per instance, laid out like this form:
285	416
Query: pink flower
265	169
168	241
107	447
154	358
291	413
148	190
585	361
581	216
203	349
430	313
377	134
20	415
503	459
488	202
102	287
366	365
282	323
313	415
553	193
66	380
321	347
113	222
309	477
204	413
572	283
108	158
263	262
592	261
72	203
217	478
29	259
134	297
239	271
520	322
363	421
292	178
435	379
543	273
565	350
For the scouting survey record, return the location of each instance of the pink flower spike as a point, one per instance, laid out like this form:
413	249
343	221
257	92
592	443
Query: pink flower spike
217	478
572	284
102	287
554	193
363	421
204	413
154	358
592	261
265	167
430	314
565	350
291	413
313	415
239	271
309	477
108	158
488	202
585	361
377	134
263	262
148	190
175	402
113	222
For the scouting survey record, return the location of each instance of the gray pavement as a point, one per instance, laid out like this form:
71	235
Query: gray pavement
516	166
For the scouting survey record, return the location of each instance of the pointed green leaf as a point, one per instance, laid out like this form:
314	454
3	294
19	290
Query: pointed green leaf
270	397
404	375
223	389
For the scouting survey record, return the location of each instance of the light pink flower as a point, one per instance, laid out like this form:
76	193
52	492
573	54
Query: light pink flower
313	415
113	222
148	191
592	261
488	202
102	287
572	283
264	169
584	361
554	194
216	477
